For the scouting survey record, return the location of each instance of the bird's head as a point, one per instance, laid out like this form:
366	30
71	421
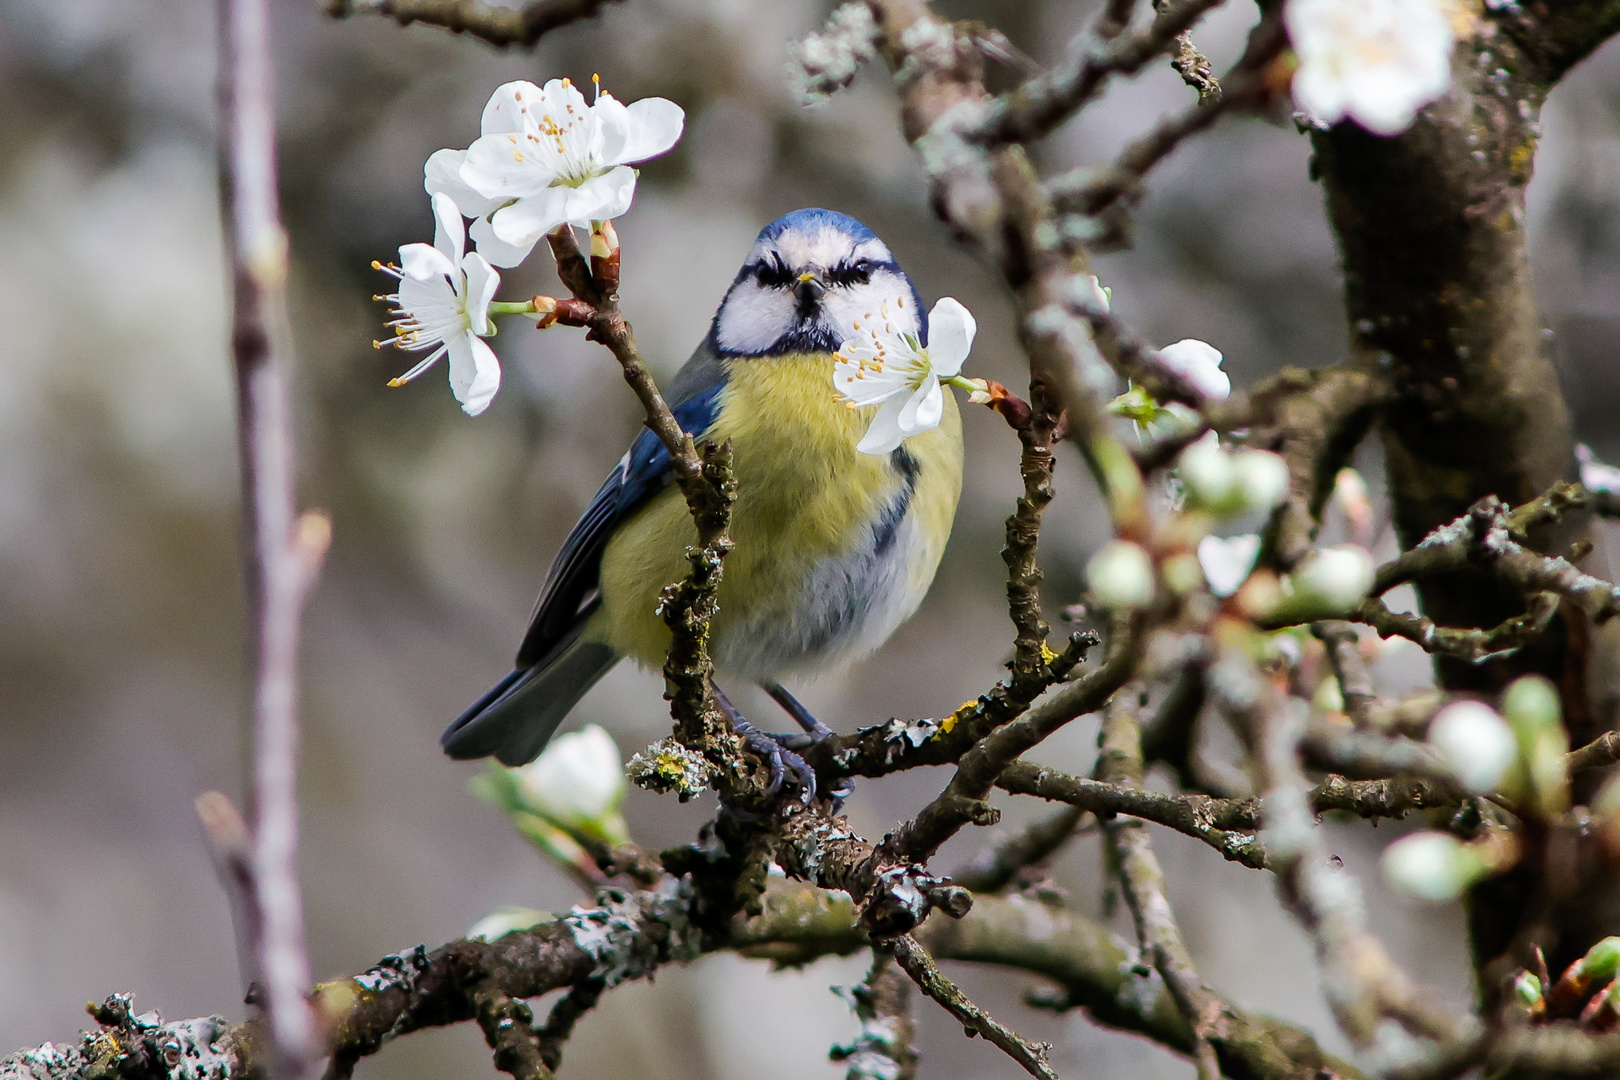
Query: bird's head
809	278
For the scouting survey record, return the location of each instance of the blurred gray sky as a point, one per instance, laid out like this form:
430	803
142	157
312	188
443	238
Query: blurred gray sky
120	641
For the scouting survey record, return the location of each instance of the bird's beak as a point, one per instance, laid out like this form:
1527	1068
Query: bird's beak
809	290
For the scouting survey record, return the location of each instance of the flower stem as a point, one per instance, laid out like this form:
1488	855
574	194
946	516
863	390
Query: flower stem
511	307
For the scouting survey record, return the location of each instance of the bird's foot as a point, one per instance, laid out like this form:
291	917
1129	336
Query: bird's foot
782	761
815	732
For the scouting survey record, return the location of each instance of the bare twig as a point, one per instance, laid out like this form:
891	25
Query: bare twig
992	869
1355	684
1038	106
882	1004
916	962
284	551
232	847
500	26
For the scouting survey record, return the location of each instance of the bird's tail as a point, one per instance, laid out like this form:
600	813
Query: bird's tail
514	721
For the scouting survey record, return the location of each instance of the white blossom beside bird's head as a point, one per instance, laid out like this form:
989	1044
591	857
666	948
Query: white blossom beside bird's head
443	305
879	365
1375	61
546	157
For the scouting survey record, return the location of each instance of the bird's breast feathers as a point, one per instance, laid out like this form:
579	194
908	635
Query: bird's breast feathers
833	548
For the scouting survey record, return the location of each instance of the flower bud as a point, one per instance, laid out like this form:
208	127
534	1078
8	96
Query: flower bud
1199	363
1475	743
1262	478
1531	707
1206	472
1433	866
1120	576
578	785
1602	960
1527	988
1328	586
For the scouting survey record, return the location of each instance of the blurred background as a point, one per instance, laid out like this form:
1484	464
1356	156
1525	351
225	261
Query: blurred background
121	670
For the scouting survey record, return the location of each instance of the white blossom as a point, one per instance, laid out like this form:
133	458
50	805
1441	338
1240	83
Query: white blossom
443	305
1227	560
1375	61
547	157
1335	579
878	365
1433	866
1475	742
1199	363
578	784
1120	576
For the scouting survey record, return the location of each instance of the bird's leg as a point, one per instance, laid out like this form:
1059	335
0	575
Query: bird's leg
772	748
795	708
814	732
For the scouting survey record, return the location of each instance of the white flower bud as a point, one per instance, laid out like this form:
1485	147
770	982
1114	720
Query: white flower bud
1475	742
1335	580
1226	561
1433	866
578	784
1262	478
1206	472
1531	707
1120	576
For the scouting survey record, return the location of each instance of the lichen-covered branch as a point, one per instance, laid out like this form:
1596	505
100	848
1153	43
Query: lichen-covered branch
499	25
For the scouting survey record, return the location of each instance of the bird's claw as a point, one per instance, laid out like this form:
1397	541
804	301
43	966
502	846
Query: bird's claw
780	759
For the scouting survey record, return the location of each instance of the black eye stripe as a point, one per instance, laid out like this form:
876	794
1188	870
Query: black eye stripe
858	272
772	274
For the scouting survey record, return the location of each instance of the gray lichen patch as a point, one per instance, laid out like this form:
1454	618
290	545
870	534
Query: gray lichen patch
667	766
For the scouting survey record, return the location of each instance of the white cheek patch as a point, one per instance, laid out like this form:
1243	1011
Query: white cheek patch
753	318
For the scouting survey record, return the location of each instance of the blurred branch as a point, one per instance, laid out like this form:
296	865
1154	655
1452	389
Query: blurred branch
498	25
999	864
1119	761
882	1004
284	551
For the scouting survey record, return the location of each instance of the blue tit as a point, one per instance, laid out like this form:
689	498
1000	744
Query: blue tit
834	548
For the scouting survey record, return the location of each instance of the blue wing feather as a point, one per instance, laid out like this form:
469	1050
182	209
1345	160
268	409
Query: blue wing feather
641	474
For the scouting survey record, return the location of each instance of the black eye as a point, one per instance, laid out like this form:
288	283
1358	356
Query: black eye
855	273
772	274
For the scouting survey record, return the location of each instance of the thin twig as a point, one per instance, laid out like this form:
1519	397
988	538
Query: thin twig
992	869
284	551
1355	683
882	1004
500	26
916	962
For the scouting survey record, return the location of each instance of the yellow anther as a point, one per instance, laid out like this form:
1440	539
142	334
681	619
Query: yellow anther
396	382
375	265
375	344
517	155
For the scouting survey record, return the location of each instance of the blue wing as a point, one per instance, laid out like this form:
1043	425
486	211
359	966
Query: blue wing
569	593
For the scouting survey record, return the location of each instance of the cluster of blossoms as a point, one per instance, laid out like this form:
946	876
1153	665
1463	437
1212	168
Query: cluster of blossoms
546	159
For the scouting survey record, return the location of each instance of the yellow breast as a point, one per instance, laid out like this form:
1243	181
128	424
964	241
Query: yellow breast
804	496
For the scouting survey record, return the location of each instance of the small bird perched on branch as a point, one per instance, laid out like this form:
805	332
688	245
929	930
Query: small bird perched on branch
834	545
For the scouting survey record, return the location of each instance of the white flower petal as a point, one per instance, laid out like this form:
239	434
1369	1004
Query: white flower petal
475	373
527	220
950	336
602	197
449	233
482	281
1376	61
1200	363
505	167
424	262
496	250
923	409
443	173
651	127
509	108
1227	561
884	434
579	777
